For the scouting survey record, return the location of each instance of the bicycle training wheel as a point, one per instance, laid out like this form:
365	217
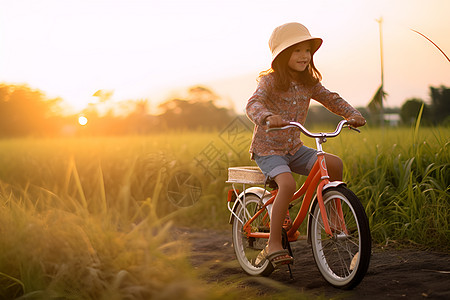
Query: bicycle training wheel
248	248
342	259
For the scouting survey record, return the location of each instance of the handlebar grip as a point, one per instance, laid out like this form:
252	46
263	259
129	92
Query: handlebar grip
353	128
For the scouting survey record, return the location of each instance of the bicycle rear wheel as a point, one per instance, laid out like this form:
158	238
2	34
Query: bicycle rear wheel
343	258
248	248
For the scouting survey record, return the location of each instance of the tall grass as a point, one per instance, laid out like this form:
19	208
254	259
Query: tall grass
71	229
73	244
89	218
403	178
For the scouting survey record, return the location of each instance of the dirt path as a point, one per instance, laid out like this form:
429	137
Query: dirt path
393	274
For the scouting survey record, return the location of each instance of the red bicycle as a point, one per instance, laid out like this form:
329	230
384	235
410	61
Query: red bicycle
337	229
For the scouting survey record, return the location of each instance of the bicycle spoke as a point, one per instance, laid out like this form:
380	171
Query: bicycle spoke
247	215
338	263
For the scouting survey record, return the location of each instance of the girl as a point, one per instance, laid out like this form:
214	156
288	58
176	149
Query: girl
283	94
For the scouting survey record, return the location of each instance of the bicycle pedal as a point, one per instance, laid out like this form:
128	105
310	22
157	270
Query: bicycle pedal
287	223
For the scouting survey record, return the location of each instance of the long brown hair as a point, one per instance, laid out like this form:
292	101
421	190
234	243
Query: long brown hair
283	76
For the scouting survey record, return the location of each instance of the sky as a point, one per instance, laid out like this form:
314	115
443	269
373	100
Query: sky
155	50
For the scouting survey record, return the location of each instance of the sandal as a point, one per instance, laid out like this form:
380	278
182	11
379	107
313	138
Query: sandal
354	261
277	258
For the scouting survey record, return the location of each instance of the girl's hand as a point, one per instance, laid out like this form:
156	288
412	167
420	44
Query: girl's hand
276	121
356	121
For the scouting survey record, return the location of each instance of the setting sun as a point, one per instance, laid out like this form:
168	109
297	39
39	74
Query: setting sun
82	120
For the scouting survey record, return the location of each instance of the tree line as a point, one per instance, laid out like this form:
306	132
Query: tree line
28	112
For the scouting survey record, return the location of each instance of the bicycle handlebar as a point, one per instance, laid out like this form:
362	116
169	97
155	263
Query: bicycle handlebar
338	130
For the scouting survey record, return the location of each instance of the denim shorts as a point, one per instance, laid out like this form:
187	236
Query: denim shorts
301	162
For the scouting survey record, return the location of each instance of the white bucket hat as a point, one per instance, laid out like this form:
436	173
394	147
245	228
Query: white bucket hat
290	34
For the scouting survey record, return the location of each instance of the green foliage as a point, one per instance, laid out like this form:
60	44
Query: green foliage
183	114
440	104
410	110
28	112
197	111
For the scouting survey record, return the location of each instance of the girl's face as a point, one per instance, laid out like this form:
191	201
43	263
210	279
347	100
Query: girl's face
300	57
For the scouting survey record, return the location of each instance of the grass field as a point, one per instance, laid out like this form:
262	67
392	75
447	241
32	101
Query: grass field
90	218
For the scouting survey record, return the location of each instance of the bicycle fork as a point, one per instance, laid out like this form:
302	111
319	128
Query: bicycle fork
324	180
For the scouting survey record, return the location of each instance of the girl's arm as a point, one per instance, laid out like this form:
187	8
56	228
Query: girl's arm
257	112
333	102
256	109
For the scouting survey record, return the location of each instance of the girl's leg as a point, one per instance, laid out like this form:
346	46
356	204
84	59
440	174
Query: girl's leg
335	167
286	189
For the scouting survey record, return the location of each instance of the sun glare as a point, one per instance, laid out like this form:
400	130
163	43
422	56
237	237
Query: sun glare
82	120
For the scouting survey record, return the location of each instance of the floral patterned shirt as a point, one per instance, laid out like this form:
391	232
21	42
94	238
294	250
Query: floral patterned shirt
291	105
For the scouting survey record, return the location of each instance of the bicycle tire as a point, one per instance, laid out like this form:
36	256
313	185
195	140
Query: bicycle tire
344	258
245	248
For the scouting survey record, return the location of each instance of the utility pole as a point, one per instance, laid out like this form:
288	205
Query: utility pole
380	21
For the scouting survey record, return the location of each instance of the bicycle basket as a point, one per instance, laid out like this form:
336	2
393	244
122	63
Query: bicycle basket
250	175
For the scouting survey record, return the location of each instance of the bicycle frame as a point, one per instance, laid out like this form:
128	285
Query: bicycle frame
317	179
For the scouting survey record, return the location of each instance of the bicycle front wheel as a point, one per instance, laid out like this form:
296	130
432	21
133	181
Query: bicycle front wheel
343	258
248	248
